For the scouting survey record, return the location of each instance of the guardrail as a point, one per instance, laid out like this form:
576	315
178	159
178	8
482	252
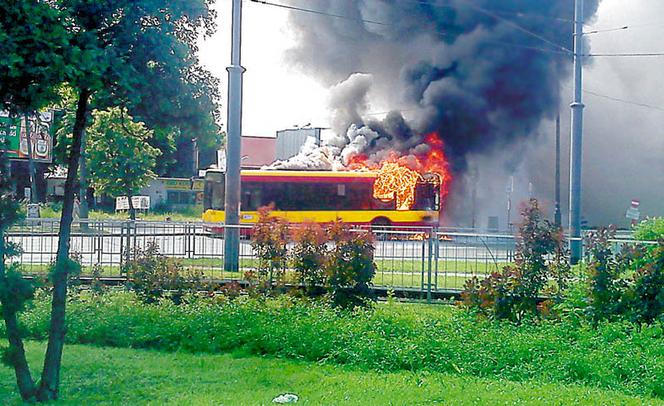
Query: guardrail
417	259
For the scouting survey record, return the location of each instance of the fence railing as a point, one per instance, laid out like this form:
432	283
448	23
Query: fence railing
413	259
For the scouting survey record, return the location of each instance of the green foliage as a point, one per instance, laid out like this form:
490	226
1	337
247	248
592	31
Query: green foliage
604	272
540	267
308	256
350	266
154	276
644	296
618	355
35	51
651	229
119	158
620	282
345	269
15	291
269	241
108	375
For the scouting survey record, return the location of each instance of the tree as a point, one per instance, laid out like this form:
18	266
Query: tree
137	54
34	47
119	157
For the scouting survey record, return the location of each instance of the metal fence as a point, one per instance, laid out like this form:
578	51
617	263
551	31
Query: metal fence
415	259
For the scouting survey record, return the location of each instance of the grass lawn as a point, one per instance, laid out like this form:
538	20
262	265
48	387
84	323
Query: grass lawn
101	375
192	214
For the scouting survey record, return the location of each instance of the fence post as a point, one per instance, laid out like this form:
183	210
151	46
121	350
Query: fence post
430	245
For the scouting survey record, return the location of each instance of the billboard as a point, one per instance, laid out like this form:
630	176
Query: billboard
39	128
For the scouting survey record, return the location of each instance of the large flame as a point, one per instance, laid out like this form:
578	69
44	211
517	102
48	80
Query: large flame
398	175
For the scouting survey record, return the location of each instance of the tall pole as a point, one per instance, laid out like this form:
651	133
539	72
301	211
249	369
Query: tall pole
233	142
576	138
556	214
31	162
84	206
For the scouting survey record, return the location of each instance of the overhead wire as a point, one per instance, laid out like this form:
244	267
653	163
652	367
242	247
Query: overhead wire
436	32
561	50
616	99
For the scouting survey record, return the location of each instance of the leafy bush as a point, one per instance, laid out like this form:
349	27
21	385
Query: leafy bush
651	229
604	274
350	266
345	269
392	337
308	256
625	282
270	244
540	267
153	276
644	296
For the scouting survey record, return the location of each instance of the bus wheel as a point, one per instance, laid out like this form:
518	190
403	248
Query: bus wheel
380	226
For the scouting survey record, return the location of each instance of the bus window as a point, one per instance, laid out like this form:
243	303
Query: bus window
426	197
310	196
252	196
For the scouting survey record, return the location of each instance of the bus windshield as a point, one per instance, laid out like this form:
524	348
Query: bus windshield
213	193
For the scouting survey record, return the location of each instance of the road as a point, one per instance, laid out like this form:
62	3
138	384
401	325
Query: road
106	245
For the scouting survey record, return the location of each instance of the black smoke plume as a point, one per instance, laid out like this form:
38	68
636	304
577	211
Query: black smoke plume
483	74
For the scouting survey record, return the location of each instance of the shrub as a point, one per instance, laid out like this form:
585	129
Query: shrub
614	355
644	296
270	244
540	267
651	229
350	266
153	276
308	256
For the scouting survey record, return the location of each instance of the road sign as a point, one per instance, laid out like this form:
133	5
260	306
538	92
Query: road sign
139	203
15	130
633	213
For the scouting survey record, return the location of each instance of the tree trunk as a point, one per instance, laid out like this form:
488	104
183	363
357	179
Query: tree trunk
132	209
26	384
50	381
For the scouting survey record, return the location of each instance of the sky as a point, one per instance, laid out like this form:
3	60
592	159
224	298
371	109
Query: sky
623	143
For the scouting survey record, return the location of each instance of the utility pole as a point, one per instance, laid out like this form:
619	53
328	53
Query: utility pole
84	206
510	190
576	139
31	162
233	145
556	214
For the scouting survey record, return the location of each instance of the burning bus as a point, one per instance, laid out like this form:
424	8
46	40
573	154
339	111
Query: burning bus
395	196
397	189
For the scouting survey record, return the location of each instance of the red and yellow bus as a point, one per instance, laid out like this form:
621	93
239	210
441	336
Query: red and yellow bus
321	197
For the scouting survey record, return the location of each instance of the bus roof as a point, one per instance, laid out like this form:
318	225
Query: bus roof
307	174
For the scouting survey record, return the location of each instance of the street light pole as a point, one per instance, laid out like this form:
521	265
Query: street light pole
233	145
556	214
576	138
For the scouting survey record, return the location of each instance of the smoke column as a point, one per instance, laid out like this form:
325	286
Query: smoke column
459	67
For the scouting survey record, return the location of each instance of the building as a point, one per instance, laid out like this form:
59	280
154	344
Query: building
173	193
290	141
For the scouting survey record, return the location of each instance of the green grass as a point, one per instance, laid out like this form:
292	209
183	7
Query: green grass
98	375
397	274
393	337
192	214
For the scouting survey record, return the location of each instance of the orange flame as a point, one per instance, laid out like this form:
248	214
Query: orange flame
397	176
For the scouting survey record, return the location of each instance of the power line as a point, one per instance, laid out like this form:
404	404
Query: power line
624	27
560	51
616	99
626	54
436	32
516	26
307	10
